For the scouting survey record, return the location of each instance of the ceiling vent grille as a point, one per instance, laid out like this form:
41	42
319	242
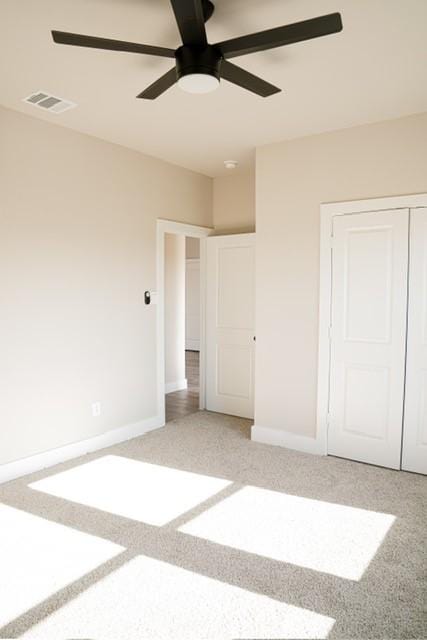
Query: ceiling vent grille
47	102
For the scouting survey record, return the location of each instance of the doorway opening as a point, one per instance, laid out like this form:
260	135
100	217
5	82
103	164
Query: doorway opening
181	300
182	325
225	317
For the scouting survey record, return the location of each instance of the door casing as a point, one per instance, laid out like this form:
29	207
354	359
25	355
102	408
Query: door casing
414	442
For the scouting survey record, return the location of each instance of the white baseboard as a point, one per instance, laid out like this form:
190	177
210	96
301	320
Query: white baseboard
192	345
286	439
178	385
23	467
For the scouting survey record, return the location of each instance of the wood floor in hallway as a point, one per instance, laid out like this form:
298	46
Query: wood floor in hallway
182	403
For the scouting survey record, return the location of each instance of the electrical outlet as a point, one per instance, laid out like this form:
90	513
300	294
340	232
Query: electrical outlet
96	409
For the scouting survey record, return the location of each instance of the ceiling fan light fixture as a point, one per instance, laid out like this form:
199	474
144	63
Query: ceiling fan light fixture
198	83
198	68
199	65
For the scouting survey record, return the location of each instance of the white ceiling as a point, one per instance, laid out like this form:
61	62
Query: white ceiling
374	70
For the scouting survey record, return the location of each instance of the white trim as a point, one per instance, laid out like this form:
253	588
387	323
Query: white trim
183	229
286	439
327	212
178	385
193	231
202	340
410	201
192	345
23	467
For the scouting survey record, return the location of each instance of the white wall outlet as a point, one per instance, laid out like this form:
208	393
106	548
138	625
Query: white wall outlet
96	409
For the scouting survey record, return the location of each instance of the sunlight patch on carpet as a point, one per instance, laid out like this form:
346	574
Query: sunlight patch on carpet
39	557
147	598
133	489
323	536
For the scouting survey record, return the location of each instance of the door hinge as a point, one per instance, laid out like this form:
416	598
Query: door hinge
328	419
330	332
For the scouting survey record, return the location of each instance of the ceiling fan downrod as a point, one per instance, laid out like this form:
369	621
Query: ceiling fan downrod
208	9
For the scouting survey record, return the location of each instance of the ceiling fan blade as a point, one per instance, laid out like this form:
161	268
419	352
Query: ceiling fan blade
280	36
247	80
77	40
159	86
191	21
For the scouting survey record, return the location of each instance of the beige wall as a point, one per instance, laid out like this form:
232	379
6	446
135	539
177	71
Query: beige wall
77	251
192	248
174	308
234	202
293	178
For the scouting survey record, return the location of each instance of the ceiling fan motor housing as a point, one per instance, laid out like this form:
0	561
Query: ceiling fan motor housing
205	60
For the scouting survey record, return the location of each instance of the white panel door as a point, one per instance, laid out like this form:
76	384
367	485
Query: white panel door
368	335
230	324
414	455
192	304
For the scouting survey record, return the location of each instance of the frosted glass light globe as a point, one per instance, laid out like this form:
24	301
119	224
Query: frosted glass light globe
198	83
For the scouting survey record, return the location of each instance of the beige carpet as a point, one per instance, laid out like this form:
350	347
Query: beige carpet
193	531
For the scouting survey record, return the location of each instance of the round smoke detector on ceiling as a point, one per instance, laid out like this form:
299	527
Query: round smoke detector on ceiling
230	164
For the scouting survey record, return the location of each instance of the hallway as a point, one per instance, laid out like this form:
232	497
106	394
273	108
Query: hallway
182	403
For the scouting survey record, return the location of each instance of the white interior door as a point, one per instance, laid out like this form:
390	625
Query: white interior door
368	336
414	455
230	324
192	304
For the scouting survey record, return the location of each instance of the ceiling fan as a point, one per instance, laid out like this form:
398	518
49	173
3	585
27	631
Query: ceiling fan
200	65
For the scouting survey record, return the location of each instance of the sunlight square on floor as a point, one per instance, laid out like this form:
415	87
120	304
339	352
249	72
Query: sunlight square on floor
327	537
147	598
133	489
39	557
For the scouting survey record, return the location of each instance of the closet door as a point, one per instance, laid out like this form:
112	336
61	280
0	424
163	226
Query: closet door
414	456
368	336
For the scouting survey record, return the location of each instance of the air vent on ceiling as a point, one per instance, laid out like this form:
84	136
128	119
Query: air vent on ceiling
46	101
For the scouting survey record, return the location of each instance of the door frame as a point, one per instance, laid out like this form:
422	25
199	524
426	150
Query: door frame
327	213
193	231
